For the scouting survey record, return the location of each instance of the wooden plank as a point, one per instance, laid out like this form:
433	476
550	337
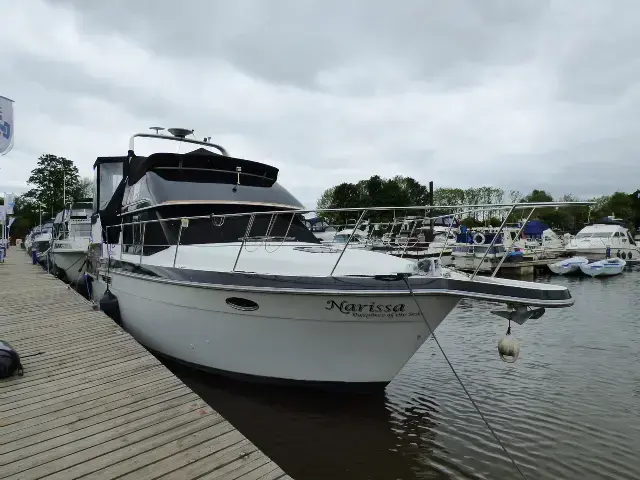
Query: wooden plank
93	402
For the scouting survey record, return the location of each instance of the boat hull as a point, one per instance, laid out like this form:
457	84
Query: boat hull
630	255
566	267
604	268
69	262
318	339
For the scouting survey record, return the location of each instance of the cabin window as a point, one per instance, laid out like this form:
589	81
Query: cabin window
80	229
217	229
110	178
132	236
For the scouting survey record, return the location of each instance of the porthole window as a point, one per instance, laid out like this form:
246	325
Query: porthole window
243	304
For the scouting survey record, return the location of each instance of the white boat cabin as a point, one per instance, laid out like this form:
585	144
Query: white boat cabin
597	238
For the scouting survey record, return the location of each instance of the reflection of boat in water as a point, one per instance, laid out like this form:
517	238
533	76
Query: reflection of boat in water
320	435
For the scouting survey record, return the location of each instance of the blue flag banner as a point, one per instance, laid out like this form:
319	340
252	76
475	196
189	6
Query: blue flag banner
6	125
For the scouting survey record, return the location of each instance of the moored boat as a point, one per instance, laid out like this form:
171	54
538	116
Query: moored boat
206	259
567	266
72	232
604	268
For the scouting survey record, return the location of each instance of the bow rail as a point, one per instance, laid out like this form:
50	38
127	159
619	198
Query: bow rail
270	238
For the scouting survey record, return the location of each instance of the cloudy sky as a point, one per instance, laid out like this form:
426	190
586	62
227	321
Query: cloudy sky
517	94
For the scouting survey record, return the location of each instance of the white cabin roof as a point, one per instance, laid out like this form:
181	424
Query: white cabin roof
603	228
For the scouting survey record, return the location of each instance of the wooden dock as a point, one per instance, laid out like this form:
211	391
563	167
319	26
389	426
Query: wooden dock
93	403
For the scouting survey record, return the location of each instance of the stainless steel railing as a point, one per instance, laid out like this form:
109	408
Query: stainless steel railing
218	220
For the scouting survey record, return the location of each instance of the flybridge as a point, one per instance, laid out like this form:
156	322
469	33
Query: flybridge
202	160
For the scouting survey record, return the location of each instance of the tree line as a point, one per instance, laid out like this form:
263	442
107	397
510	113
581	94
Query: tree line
402	191
53	181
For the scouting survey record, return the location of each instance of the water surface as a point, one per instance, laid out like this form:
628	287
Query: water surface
568	408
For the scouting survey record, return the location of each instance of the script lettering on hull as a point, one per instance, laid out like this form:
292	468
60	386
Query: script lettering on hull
373	309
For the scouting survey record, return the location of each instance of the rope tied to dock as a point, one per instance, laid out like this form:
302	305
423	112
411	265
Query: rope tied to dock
404	277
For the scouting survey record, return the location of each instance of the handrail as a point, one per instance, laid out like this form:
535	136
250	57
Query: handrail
247	231
493	241
516	206
348	240
507	250
175	139
218	220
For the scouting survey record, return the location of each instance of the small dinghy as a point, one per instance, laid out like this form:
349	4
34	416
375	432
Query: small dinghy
569	265
610	266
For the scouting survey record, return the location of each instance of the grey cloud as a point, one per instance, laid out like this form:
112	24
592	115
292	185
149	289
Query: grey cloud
518	94
291	42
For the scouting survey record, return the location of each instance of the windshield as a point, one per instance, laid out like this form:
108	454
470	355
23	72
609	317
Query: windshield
80	229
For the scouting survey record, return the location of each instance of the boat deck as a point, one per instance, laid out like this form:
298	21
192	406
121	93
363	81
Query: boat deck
93	403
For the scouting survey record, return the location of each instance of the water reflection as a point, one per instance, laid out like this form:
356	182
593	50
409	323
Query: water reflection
317	435
567	409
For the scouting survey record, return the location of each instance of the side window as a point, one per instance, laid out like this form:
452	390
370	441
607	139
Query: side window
131	235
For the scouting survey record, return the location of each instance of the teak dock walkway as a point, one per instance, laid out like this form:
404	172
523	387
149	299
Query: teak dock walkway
93	403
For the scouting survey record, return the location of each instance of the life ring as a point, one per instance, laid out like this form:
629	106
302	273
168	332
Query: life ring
478	239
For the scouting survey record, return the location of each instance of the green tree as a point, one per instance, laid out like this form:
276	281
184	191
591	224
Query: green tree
538	196
85	188
619	204
54	179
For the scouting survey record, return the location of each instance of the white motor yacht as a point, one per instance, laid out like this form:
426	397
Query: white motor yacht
606	235
205	258
42	242
70	247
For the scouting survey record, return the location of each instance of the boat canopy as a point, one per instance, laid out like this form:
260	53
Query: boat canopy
205	166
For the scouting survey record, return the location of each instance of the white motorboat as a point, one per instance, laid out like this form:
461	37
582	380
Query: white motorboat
569	265
28	241
72	237
607	237
604	268
442	244
355	238
42	242
480	254
207	260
